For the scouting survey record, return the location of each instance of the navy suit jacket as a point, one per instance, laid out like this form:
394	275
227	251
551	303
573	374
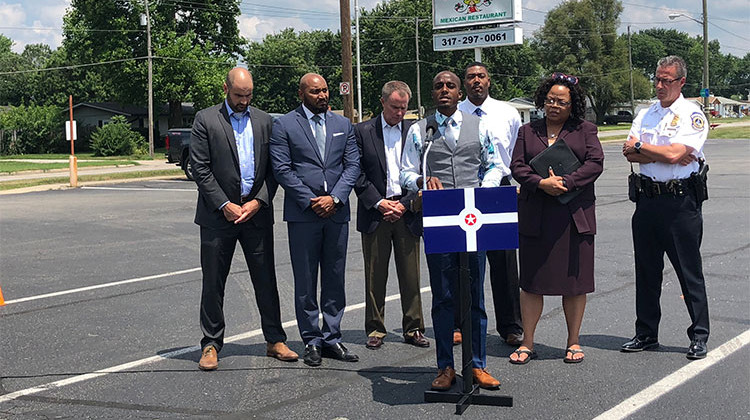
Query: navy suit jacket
581	137
304	174
371	185
216	169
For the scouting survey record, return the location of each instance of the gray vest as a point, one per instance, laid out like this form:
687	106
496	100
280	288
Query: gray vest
457	167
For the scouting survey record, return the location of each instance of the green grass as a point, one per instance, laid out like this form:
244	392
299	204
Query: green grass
158	154
11	185
722	132
609	127
8	167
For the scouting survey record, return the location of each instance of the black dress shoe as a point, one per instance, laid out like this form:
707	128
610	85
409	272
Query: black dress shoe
697	350
339	352
312	355
640	343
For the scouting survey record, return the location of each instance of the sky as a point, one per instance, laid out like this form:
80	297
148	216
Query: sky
40	21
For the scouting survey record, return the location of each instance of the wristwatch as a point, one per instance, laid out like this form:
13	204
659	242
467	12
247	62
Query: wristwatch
637	146
336	200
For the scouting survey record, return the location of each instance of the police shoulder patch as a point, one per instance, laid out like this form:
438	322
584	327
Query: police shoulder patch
698	121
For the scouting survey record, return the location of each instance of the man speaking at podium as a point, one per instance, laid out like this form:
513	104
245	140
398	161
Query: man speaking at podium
463	155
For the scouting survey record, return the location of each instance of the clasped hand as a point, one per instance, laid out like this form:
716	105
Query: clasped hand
392	210
240	214
323	206
553	185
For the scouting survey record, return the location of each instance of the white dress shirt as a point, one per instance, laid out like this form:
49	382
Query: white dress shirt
503	121
392	140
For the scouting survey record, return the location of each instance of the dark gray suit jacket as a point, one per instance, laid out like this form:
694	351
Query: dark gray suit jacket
304	174
371	185
213	154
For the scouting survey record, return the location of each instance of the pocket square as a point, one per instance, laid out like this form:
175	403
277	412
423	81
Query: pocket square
338	134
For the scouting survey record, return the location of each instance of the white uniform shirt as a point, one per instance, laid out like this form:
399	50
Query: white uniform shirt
411	165
392	140
683	122
503	121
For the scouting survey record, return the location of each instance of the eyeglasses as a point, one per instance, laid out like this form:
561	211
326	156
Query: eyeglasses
552	101
665	81
562	76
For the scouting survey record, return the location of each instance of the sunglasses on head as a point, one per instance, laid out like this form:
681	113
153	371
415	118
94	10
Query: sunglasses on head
562	76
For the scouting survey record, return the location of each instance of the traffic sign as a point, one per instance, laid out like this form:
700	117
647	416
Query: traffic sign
67	130
477	38
704	93
344	88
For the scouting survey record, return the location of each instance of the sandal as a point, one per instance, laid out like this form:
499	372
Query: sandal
572	352
530	354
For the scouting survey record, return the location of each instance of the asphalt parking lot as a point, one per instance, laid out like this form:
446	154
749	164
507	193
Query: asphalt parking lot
102	288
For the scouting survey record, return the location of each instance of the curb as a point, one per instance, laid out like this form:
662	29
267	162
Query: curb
55	187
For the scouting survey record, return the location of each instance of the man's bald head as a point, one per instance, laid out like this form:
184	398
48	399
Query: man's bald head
449	74
237	74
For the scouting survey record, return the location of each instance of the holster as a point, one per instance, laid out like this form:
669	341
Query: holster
699	181
634	185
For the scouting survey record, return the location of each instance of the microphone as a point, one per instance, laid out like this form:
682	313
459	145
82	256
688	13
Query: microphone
432	128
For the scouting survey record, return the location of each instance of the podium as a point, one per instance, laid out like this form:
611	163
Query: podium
463	221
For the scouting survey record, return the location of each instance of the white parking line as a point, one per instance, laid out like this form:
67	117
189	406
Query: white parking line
101	286
148	360
677	378
138	189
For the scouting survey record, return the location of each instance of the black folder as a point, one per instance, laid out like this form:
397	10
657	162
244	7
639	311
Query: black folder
562	160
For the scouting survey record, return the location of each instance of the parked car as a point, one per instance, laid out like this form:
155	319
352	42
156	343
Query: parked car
620	117
177	142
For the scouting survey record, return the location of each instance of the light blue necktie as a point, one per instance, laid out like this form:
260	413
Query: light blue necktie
320	135
449	133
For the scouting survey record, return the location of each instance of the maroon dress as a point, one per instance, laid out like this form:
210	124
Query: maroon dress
556	241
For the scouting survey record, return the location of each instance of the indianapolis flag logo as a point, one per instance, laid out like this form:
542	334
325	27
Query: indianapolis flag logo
470	219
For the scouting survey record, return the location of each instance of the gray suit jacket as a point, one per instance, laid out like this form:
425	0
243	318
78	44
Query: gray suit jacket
304	174
215	163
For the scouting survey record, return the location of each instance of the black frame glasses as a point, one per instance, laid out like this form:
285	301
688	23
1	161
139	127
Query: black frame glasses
663	81
562	76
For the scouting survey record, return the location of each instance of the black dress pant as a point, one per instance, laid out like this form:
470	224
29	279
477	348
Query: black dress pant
217	250
505	291
673	225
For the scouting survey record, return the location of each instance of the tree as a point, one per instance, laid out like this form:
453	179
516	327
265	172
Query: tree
579	37
278	63
189	40
39	129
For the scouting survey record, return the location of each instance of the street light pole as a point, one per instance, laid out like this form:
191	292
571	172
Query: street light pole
703	22
150	86
705	56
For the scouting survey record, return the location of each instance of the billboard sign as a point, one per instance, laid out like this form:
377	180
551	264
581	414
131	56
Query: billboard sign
457	13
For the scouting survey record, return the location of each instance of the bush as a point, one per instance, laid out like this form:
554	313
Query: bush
117	139
38	129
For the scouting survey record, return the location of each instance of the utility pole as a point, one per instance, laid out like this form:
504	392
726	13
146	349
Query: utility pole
359	73
705	57
419	90
630	59
150	86
346	57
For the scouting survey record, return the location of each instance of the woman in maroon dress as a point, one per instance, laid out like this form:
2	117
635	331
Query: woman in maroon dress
556	241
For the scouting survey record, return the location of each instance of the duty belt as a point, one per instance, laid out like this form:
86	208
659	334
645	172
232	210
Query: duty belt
677	187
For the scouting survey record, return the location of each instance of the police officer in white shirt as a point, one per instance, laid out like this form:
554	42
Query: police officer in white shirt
503	121
666	140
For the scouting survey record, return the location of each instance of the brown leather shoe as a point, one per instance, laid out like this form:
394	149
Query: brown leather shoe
484	379
456	338
417	339
281	351
446	377
374	342
514	339
209	359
